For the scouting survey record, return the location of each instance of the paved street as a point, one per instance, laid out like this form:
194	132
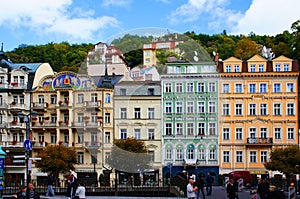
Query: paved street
217	193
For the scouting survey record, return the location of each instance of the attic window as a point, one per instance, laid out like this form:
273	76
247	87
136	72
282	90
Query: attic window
24	68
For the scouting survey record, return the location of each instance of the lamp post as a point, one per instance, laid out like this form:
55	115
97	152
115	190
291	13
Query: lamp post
27	143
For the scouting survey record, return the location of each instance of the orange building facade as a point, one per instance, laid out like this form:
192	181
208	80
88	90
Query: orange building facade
258	111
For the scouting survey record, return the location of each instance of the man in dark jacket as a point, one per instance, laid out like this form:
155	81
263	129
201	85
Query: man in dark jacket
230	189
209	182
200	185
50	191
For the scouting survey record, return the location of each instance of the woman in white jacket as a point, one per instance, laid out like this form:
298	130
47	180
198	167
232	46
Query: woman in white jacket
80	191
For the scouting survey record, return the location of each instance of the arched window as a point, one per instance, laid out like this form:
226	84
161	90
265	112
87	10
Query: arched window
190	152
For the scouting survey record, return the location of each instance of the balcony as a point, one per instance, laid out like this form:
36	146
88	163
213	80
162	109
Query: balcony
259	141
15	124
16	106
92	104
92	145
38	105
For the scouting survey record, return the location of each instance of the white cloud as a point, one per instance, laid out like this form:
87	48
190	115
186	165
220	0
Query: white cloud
107	3
268	17
54	17
192	10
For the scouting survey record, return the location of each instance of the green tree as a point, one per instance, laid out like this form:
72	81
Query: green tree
286	160
57	159
245	49
129	155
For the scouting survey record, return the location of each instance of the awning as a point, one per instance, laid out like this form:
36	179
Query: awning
258	171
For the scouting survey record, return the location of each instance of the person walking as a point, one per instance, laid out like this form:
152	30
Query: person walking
50	179
263	189
209	182
31	192
200	188
231	190
21	194
80	191
191	190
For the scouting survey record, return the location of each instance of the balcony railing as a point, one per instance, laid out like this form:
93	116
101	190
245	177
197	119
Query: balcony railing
259	141
92	144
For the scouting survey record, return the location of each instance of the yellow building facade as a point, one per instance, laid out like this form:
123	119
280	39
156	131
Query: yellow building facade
258	111
74	111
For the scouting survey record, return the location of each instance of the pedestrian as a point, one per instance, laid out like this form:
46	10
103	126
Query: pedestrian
230	189
50	179
263	188
21	194
73	185
80	191
209	182
191	190
236	186
200	188
32	194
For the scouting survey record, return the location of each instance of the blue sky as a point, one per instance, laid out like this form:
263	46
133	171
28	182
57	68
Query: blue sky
38	22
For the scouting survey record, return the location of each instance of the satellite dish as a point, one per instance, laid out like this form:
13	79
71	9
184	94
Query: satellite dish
196	53
196	58
214	53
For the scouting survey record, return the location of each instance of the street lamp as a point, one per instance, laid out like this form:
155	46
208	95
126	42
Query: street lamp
27	143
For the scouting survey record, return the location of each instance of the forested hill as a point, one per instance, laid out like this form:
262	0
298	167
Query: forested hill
64	56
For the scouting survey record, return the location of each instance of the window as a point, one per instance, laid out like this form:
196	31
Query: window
252	68
260	68
211	87
225	88
80	138
168	87
179	154
286	67
169	154
236	68
253	156
151	156
80	98
94	138
123	112
53	118
211	107
225	109
179	128
226	134
226	156
201	128
291	133
239	156
263	132
290	109
263	88
178	107
252	88
238	88
238	133
150	113
190	152
263	156
151	134
277	109
53	138
290	87
53	99
94	97
168	128
107	98
107	117
277	88
137	134
190	128
107	137
179	88
228	69
212	128
80	117
252	109
190	107
123	134
200	87
21	98
168	106
238	109
137	113
41	99
80	158
190	87
201	154
252	132
123	91
263	109
201	107
277	67
212	154
277	133
150	92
